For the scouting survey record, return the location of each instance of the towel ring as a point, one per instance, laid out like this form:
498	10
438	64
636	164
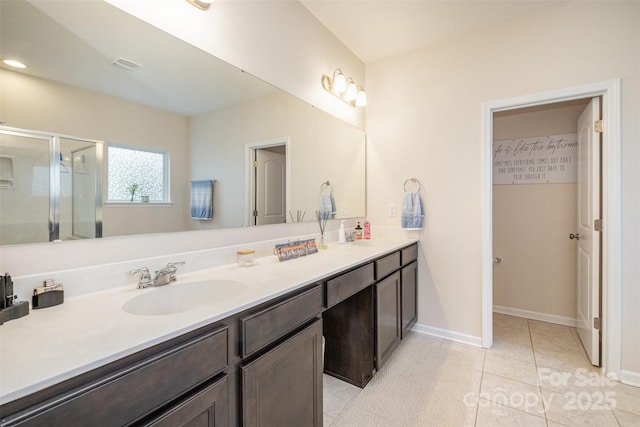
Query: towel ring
325	185
413	180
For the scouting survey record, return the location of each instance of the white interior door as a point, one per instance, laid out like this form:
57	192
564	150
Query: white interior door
270	200
588	241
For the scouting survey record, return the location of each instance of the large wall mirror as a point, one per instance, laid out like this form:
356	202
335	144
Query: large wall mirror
210	120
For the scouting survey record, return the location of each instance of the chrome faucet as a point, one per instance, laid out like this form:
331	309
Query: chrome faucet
164	276
144	280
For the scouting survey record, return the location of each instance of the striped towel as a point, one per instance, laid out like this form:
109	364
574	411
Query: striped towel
202	199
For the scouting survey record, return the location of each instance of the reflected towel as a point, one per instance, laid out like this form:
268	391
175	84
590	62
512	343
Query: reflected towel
412	212
202	199
327	206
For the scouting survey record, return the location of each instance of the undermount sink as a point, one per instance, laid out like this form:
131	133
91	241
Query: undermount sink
182	297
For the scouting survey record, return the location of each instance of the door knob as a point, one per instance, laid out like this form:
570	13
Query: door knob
497	260
574	236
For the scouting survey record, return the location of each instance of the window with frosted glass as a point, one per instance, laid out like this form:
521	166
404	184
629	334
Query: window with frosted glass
130	166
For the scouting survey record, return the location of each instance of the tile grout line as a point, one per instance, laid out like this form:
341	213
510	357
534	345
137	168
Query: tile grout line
484	361
535	363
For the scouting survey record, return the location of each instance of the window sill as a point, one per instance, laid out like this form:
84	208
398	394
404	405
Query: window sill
120	204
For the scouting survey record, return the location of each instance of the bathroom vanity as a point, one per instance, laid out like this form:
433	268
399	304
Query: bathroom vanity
256	361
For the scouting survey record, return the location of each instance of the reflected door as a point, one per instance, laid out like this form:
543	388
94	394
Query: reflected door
270	197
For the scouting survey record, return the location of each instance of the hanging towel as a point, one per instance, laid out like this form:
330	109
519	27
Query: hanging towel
202	199
327	206
412	212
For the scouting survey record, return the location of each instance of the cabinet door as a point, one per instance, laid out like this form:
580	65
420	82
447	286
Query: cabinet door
283	387
206	408
388	329
409	297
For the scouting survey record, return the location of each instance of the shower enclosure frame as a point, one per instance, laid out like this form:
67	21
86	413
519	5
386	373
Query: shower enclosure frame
53	140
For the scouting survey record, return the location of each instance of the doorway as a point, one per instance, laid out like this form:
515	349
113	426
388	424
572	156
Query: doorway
611	208
267	182
542	222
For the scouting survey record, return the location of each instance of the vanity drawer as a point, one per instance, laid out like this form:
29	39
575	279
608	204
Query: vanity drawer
130	393
387	265
409	254
342	287
274	322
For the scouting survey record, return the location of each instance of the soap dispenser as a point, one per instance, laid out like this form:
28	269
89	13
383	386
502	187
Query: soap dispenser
358	232
342	234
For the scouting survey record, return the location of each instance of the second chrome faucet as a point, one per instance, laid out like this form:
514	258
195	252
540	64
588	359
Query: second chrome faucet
164	276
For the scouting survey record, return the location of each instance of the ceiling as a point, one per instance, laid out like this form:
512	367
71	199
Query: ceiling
74	43
379	29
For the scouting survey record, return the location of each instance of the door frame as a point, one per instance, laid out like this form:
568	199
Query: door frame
611	209
249	149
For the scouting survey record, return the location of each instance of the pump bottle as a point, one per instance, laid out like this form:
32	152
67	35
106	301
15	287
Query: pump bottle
342	236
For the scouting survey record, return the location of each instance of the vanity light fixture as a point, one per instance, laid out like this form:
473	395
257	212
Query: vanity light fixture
14	63
345	89
201	4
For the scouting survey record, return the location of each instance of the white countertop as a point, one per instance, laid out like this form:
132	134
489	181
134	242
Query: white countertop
57	343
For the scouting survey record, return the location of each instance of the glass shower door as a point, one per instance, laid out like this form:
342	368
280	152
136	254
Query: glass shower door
50	187
84	194
25	188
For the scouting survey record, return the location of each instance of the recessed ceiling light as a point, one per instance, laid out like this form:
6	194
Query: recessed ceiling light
201	4
125	63
14	63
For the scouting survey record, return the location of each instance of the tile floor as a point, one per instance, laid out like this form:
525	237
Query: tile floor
537	374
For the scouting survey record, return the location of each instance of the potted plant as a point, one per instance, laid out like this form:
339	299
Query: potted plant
132	189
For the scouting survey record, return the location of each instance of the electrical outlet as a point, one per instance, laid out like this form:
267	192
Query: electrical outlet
343	210
391	209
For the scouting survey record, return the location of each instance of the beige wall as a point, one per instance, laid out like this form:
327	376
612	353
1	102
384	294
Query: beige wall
321	148
424	120
531	224
38	104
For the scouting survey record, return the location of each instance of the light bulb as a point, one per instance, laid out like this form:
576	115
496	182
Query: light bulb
339	82
352	92
361	98
14	63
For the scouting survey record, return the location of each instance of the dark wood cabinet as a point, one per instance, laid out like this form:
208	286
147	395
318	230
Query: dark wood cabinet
283	387
343	286
276	321
388	317
208	407
131	392
362	329
409	279
259	367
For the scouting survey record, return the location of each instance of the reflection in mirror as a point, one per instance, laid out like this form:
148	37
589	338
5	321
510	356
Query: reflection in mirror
207	115
52	189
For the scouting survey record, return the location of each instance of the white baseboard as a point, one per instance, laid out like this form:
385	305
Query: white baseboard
534	315
447	334
630	378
